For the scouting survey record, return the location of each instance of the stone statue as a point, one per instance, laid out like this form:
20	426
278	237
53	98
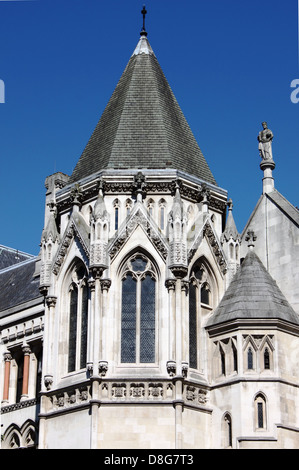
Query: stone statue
265	138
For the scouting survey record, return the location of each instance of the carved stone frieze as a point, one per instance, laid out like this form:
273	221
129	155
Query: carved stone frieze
26	329
70	398
195	395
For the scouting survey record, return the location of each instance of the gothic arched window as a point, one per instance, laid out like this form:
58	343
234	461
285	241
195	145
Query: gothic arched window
200	303
138	311
260	411
116	205
162	214
249	358
78	318
227	431
266	359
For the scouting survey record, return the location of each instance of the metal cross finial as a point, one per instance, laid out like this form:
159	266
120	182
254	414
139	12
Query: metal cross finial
144	12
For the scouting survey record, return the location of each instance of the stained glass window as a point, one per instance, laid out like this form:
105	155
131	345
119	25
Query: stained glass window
78	320
139	264
138	313
260	415
266	359
128	326
249	359
147	320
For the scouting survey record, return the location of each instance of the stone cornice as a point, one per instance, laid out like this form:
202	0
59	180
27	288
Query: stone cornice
152	185
249	323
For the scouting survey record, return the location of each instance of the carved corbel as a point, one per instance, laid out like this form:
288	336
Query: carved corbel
48	381
171	368
103	368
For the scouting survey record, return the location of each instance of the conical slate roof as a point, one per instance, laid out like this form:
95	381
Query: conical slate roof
253	295
142	126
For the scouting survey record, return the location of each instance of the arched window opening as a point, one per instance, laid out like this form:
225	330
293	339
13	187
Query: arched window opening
249	358
128	206
205	293
138	312
201	287
222	361
162	209
78	320
260	411
116	206
235	358
231	250
227	431
192	327
150	207
266	359
14	441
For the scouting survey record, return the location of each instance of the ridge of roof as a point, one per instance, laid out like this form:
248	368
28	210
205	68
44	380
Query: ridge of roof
142	126
253	294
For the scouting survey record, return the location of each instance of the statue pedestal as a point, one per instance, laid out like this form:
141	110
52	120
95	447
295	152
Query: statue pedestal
267	166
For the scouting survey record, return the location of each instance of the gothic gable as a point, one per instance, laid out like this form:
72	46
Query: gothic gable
138	217
207	231
77	229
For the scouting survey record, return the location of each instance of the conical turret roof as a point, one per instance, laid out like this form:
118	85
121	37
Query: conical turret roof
253	295
142	126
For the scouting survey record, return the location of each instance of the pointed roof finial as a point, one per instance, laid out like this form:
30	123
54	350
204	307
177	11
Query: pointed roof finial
143	31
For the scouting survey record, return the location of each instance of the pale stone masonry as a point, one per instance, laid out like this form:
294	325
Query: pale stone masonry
147	321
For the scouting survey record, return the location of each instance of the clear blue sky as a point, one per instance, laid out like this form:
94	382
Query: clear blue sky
229	63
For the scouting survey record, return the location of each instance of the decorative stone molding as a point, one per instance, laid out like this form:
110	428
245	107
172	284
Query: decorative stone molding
7	357
18	406
195	395
170	284
103	368
51	301
185	367
215	246
26	329
105	284
70	398
119	390
48	381
171	368
138	218
137	390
